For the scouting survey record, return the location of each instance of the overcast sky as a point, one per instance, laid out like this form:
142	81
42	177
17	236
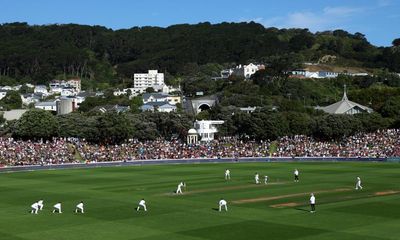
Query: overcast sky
379	20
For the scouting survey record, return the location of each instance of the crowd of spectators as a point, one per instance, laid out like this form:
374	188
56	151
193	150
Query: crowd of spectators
174	149
385	143
17	152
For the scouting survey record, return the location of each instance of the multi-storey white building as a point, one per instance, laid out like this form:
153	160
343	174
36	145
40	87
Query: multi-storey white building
152	79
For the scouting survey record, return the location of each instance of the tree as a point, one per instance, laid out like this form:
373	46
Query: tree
267	125
391	107
150	90
396	42
299	123
25	89
336	126
371	122
77	125
143	129
113	128
36	124
2	119
302	41
12	100
136	102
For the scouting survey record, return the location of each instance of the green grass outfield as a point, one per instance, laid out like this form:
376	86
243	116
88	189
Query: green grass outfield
276	211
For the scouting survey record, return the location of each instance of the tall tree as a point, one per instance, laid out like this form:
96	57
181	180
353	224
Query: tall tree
36	124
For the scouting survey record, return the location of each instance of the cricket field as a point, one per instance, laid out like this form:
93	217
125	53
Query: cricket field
277	210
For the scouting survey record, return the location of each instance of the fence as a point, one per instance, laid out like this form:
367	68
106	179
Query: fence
194	161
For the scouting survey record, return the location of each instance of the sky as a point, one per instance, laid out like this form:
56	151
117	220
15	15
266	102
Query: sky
379	20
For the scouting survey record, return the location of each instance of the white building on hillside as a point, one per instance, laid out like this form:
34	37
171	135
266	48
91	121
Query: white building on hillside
207	129
68	91
6	88
161	97
152	79
3	93
56	86
41	89
158	106
245	71
75	83
48	106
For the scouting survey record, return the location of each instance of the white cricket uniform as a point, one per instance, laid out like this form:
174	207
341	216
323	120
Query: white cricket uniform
223	203
358	183
179	189
312	203
35	208
257	178
296	175
142	203
40	204
227	174
79	207
57	208
266	179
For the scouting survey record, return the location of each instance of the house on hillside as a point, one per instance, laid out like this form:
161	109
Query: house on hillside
161	97
301	73
29	98
3	93
111	108
245	71
48	106
68	91
248	109
41	89
327	74
159	107
6	88
56	86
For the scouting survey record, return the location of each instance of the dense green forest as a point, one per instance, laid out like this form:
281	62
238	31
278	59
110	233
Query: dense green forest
191	55
99	55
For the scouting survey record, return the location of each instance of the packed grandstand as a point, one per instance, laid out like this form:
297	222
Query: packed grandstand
384	143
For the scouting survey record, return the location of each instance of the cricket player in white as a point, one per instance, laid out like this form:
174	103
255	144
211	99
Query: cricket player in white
34	208
40	204
222	203
358	184
79	208
227	174
57	208
265	179
142	203
257	178
296	175
179	189
312	202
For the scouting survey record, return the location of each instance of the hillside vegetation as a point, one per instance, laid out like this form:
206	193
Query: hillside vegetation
38	54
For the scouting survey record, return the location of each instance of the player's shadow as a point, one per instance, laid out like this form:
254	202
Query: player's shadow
302	209
215	209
